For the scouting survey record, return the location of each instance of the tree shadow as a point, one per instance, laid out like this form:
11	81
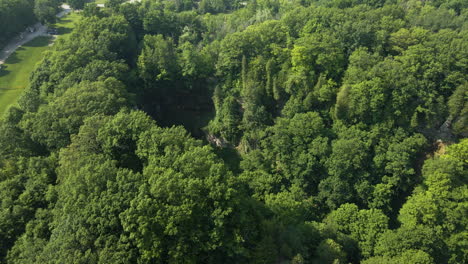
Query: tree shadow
3	71
13	58
64	30
38	42
230	157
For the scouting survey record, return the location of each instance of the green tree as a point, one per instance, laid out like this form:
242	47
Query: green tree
458	108
434	211
78	4
45	10
15	16
409	256
53	124
24	187
329	251
293	153
157	60
363	226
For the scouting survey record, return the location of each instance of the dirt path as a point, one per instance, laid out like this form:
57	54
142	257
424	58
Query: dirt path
27	36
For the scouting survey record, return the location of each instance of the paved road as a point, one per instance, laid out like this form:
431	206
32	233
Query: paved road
26	36
65	10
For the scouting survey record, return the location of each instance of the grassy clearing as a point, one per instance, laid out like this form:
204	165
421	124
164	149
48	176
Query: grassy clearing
66	24
14	74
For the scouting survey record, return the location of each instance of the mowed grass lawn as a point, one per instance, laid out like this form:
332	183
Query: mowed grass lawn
66	24
15	72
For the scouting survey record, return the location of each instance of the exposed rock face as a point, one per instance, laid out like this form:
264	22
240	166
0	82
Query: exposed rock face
219	142
445	131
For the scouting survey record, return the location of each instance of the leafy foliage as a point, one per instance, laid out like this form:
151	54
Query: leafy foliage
338	129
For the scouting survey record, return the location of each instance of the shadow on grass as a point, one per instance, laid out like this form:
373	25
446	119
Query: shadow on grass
13	58
3	70
64	30
38	42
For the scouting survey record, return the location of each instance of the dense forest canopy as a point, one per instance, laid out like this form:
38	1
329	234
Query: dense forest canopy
257	131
